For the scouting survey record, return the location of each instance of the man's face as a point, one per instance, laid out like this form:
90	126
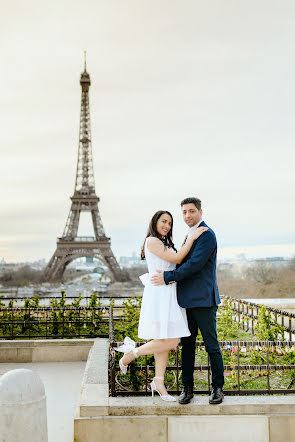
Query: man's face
191	214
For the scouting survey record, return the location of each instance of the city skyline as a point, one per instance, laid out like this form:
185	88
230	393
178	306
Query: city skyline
194	102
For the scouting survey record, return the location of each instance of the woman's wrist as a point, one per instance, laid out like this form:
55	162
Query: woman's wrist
190	240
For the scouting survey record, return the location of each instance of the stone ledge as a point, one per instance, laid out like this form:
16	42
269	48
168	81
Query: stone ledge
44	342
50	350
96	371
232	405
94	400
94	396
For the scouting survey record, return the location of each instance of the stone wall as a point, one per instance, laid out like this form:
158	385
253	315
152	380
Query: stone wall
45	350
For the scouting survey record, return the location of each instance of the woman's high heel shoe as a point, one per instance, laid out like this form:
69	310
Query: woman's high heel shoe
123	367
127	347
165	397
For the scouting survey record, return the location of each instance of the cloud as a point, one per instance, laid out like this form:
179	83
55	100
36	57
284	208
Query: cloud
190	99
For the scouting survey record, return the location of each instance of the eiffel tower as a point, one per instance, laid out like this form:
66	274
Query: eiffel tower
70	246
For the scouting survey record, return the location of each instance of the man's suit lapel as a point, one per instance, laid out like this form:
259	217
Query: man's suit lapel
203	224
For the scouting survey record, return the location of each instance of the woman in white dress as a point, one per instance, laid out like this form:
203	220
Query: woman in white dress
161	318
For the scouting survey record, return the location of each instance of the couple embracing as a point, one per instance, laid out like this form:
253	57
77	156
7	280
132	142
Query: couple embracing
177	302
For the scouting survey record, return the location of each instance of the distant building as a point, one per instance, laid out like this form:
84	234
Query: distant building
25	291
87	264
8	267
276	261
131	261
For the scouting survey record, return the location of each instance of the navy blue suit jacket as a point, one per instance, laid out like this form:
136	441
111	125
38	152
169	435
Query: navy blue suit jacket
196	275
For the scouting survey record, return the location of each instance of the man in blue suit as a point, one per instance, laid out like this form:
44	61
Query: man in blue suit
197	292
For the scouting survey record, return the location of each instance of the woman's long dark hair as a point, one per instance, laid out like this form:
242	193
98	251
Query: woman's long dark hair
152	231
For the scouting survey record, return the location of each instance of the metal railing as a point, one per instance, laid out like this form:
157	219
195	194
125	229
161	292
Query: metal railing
241	373
271	364
273	372
246	314
57	322
102	296
112	357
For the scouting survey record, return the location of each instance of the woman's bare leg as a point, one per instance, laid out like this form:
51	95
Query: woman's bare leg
160	349
160	368
151	347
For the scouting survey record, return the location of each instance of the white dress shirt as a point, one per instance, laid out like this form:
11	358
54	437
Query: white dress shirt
192	229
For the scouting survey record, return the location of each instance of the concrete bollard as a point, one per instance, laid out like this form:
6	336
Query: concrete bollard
23	415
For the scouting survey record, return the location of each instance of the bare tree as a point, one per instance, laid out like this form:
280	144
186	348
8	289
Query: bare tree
21	277
262	272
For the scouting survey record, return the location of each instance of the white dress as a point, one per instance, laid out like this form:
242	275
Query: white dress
160	316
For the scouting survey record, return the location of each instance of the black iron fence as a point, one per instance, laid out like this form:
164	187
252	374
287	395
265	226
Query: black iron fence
46	300
247	315
272	374
57	322
65	321
251	367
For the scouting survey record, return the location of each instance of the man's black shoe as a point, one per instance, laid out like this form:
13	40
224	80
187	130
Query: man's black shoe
216	396
186	395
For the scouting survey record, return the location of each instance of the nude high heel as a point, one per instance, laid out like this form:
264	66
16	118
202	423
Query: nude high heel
165	397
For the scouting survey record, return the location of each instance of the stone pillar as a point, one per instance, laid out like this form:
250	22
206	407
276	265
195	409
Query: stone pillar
22	407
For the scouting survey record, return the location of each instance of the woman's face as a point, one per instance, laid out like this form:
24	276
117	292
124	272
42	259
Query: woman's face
164	224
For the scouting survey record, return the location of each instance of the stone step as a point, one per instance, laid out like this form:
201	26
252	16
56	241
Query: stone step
93	405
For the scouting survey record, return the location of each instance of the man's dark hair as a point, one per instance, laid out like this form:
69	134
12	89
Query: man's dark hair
196	201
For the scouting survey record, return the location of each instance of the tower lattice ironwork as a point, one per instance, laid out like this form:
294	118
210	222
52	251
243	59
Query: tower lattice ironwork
70	246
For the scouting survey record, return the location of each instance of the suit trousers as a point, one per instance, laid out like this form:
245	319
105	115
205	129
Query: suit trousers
203	319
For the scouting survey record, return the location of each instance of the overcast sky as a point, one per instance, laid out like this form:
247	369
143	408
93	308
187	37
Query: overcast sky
188	98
